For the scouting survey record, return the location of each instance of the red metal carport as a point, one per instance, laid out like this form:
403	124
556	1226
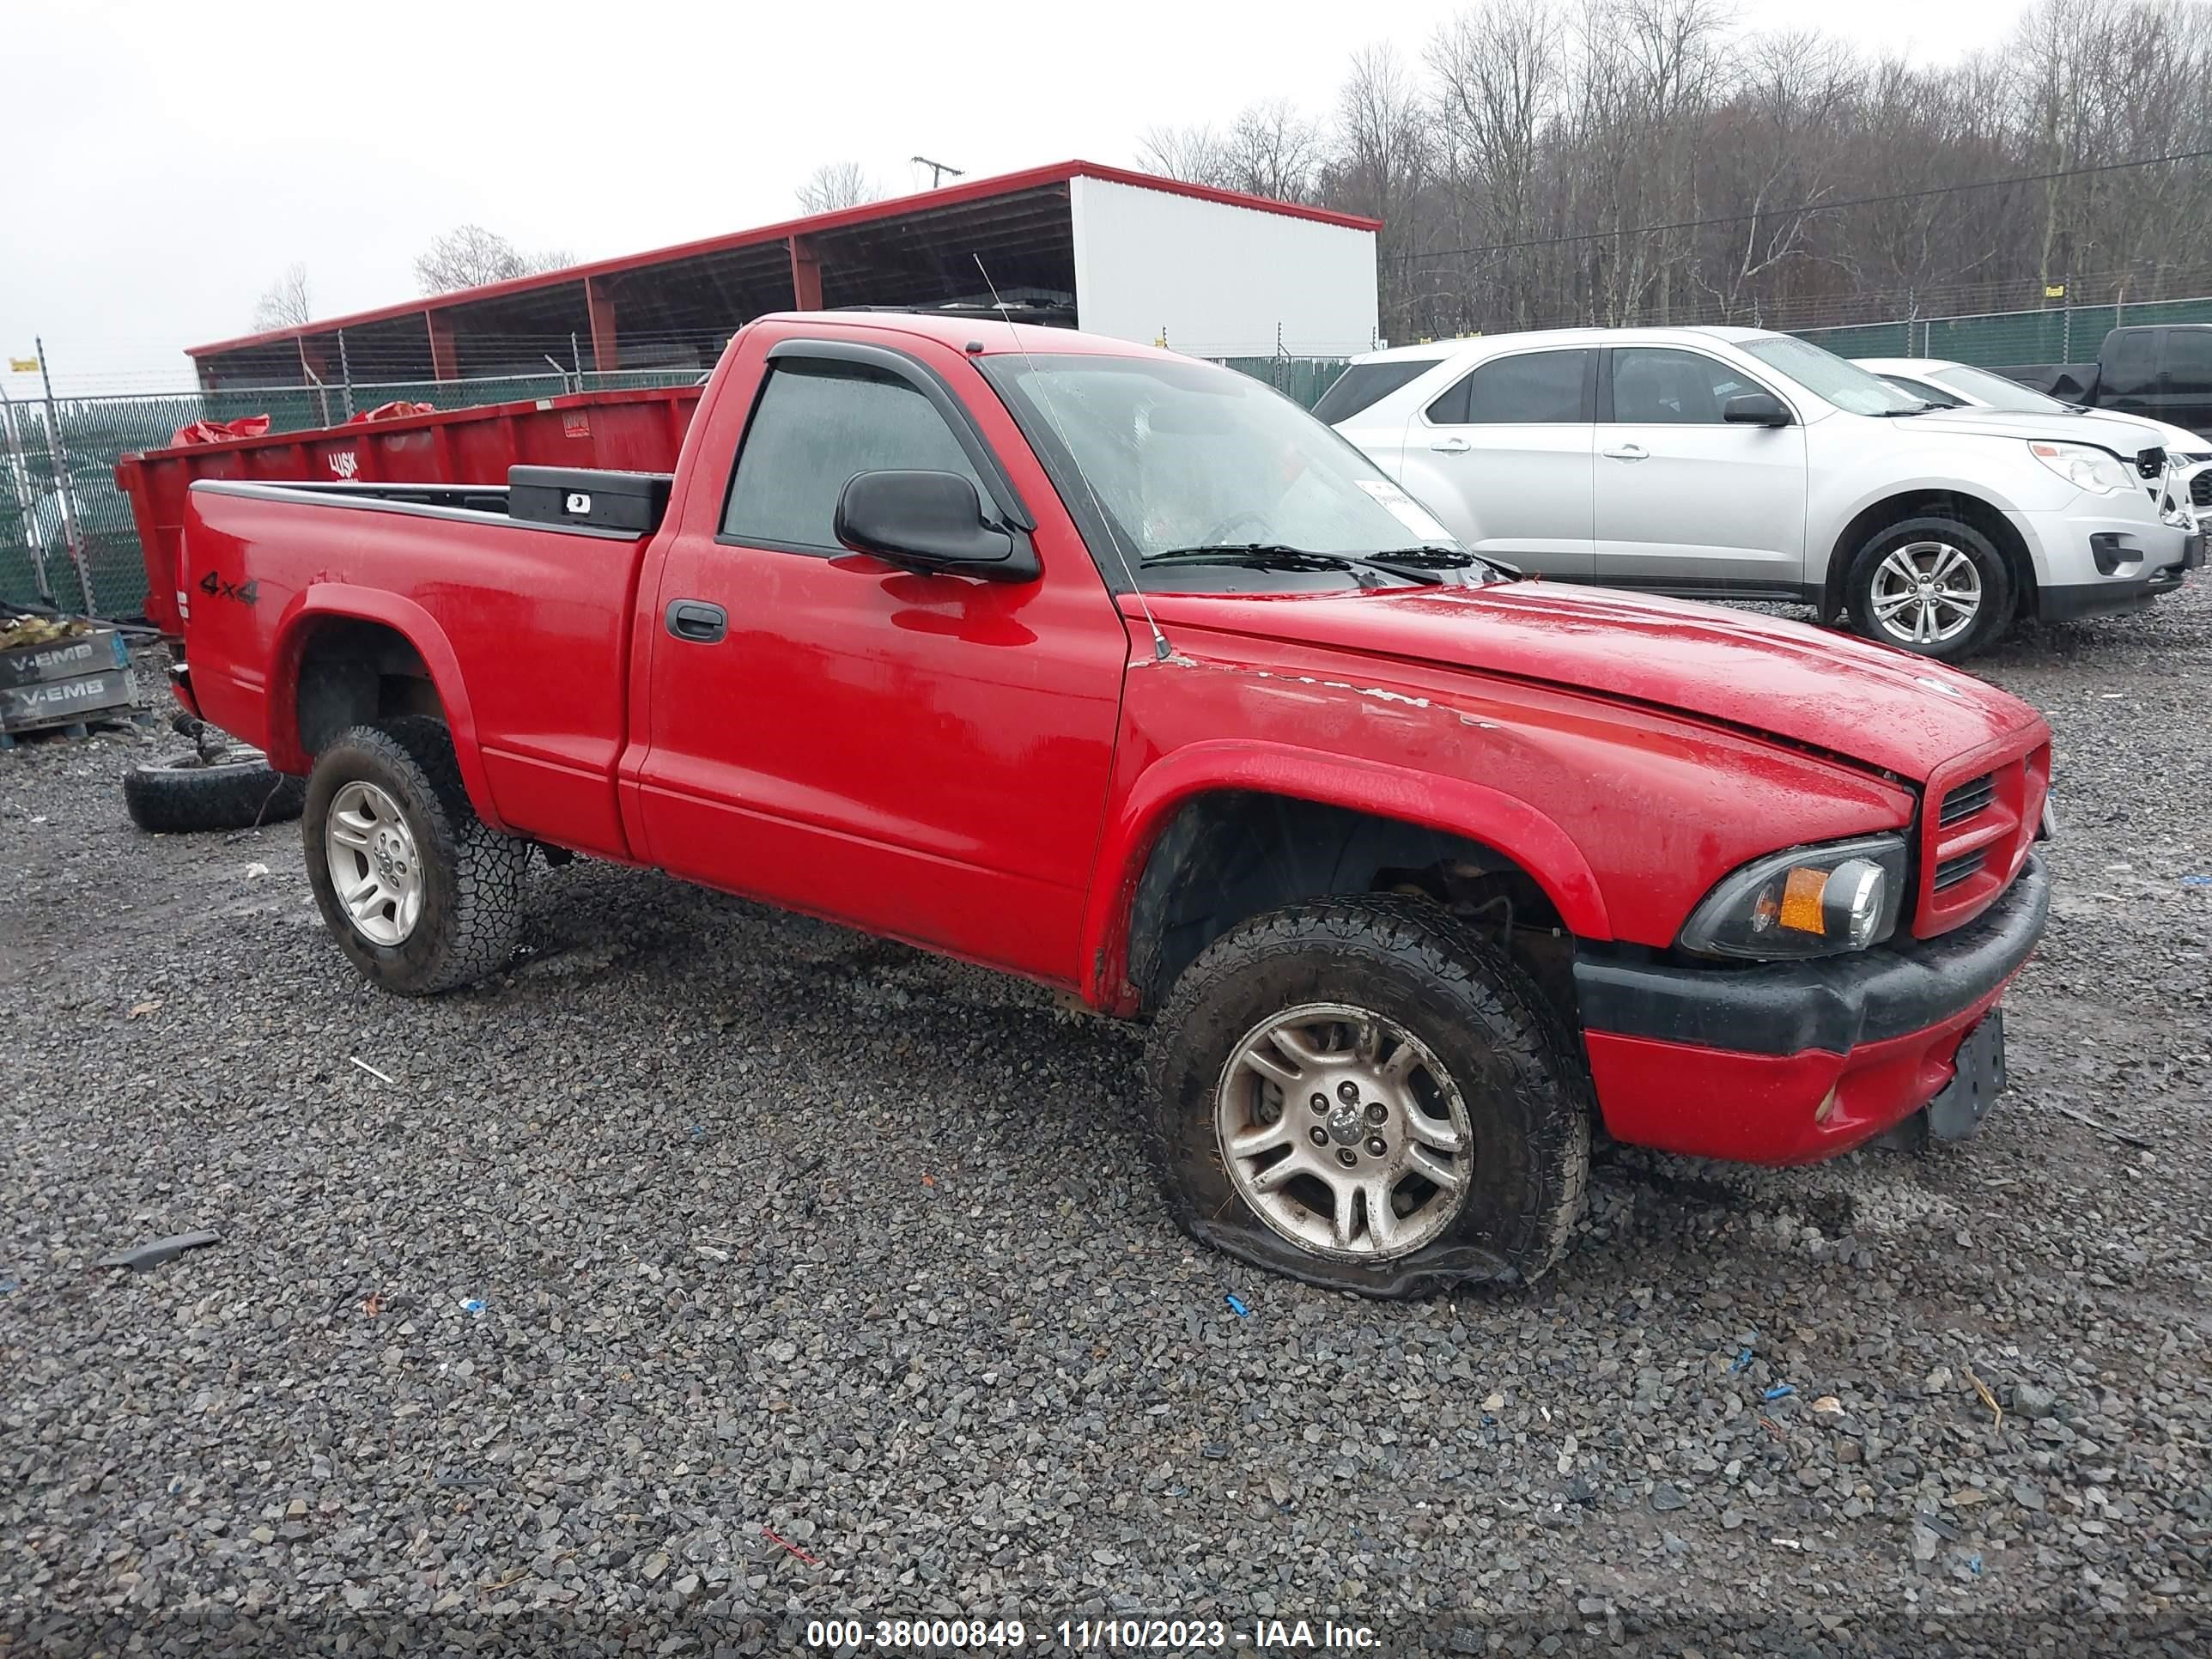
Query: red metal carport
674	307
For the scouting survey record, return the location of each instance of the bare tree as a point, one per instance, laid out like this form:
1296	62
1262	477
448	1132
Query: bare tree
1644	161
470	255
1499	76
1272	151
287	302
1776	153
836	185
1379	166
1194	154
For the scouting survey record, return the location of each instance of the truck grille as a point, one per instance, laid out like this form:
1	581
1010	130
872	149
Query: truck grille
1968	799
1974	837
1952	872
2200	490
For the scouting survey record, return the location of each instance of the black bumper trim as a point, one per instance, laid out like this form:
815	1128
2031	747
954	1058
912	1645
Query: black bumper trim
1834	1004
2072	601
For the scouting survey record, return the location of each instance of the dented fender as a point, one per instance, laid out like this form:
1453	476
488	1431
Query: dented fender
1454	805
1625	816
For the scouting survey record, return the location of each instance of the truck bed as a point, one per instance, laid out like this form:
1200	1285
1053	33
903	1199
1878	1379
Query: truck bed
523	627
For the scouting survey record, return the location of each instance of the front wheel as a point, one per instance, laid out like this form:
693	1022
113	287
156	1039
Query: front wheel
1935	586
1359	1093
419	894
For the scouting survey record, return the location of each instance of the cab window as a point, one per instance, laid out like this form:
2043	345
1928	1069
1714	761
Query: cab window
816	424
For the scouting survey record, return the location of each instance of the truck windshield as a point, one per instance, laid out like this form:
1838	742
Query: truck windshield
1182	457
1995	391
1831	379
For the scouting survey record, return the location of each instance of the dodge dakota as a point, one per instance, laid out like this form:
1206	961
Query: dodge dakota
1116	670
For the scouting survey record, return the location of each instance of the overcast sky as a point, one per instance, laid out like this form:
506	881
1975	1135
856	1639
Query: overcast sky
171	159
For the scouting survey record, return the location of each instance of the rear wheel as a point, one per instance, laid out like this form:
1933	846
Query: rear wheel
1933	585
418	891
1359	1093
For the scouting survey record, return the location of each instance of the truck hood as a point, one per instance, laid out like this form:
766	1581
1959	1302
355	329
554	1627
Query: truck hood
1823	690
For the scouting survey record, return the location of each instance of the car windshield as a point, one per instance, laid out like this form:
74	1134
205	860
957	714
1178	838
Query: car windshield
1995	391
1831	379
1181	457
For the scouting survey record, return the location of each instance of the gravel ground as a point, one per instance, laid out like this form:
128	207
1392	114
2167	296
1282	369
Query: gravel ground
705	1224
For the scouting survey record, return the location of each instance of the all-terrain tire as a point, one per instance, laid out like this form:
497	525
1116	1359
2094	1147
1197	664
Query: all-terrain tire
1998	590
471	915
1515	1064
188	794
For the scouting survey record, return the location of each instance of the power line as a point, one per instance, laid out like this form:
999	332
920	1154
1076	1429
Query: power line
1810	207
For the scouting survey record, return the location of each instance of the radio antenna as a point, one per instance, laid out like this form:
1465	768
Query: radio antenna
1161	650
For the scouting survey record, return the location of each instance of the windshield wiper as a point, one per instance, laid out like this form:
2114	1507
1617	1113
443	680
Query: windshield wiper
1260	556
1433	557
1916	409
1412	564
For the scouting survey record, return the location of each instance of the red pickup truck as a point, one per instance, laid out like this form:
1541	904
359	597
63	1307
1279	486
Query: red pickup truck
1118	672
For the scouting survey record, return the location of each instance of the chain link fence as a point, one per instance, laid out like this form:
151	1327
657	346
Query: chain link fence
57	460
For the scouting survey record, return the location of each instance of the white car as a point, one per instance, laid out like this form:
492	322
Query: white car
1962	385
1734	463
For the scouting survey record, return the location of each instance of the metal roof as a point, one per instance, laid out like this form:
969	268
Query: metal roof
922	205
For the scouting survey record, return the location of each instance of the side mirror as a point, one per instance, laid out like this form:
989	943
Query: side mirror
1755	409
929	522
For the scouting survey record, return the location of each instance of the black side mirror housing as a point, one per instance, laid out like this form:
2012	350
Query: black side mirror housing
1755	409
930	521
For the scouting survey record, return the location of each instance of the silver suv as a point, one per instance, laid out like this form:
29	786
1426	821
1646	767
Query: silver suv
1732	463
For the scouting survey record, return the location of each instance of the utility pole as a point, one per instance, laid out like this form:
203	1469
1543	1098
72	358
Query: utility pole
937	170
72	531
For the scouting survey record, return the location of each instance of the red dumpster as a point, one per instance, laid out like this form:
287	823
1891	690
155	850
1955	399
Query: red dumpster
638	431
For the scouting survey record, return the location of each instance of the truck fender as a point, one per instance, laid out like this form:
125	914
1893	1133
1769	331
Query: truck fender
1457	807
342	601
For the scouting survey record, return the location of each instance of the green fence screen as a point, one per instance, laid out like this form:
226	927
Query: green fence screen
2057	334
1301	379
94	433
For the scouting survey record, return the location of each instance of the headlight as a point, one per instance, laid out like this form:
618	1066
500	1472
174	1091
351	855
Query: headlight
1809	901
2084	467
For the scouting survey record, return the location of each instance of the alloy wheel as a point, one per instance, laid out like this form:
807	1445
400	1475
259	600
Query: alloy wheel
374	865
1926	592
1344	1132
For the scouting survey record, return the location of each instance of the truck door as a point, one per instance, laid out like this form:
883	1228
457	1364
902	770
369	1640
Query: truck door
924	756
1687	503
1504	458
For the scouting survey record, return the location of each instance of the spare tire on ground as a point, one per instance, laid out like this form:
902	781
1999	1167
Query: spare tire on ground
234	789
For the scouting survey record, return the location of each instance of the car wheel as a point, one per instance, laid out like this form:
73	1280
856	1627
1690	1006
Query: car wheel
237	790
1935	586
1361	1094
420	895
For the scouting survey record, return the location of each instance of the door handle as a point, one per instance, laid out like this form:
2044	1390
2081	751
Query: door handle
697	621
1451	446
1628	452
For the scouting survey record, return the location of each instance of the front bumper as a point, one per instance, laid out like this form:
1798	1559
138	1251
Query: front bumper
1792	1062
2096	562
